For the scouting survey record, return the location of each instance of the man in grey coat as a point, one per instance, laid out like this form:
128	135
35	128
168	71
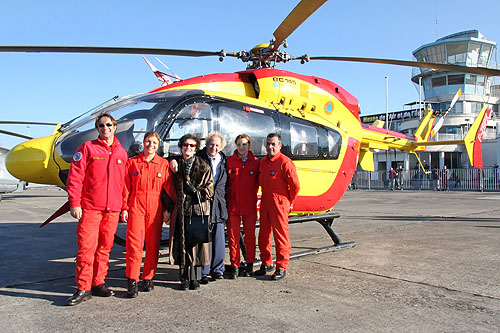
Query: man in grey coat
215	158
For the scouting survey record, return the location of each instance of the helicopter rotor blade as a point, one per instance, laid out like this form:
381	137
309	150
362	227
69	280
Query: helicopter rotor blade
113	50
26	123
16	134
296	17
431	65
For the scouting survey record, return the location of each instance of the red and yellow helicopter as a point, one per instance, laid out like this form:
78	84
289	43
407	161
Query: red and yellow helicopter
317	119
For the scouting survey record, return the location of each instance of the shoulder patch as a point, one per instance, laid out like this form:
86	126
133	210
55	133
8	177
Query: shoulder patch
77	157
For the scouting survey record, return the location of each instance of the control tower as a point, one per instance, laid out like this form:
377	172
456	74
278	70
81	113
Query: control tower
467	48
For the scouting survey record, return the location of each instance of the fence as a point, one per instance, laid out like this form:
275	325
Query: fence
447	179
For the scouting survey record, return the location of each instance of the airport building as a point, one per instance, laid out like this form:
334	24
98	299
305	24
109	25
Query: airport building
467	48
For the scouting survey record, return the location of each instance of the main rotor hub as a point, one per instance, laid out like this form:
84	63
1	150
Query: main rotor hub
264	56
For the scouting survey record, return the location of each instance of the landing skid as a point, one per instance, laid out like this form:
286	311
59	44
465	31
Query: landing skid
326	221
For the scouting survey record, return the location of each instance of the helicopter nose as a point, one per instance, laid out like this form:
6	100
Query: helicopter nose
32	161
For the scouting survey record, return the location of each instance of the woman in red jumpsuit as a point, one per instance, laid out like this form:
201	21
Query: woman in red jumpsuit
241	197
146	175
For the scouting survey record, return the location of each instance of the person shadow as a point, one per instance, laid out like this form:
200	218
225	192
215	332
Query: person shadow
39	263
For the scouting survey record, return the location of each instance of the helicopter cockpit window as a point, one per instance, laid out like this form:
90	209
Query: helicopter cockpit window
303	140
234	120
194	118
134	119
334	144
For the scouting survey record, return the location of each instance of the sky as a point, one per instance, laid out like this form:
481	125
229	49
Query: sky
57	87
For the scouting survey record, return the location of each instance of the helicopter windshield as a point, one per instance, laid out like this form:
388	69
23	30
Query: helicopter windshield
135	116
92	113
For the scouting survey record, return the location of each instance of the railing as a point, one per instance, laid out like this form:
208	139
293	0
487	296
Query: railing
438	180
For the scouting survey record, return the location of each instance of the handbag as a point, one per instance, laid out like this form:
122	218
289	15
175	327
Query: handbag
197	229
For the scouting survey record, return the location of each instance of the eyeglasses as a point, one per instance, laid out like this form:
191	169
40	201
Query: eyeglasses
107	124
192	145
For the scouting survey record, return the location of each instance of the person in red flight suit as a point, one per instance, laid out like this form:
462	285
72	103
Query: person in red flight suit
95	186
280	186
145	178
241	197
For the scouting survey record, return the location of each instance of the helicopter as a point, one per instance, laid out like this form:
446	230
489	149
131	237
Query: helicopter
317	119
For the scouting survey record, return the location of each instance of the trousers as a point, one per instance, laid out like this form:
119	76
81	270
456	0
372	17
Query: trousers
217	250
143	232
233	238
94	236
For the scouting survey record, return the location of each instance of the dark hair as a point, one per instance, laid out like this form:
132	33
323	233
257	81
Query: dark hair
102	116
243	136
189	136
274	135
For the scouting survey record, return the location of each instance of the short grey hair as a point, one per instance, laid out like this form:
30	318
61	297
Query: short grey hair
211	135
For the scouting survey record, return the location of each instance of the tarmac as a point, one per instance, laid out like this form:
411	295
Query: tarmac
424	262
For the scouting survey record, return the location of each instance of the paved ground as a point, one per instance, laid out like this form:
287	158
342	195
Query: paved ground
424	261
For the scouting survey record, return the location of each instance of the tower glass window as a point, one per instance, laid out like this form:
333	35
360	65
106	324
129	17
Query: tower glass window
456	53
484	55
473	55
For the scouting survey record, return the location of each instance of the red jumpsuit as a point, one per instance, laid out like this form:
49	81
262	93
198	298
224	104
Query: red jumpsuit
144	182
241	197
95	183
280	186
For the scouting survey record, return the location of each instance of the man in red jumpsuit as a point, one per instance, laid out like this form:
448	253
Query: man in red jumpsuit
95	185
280	186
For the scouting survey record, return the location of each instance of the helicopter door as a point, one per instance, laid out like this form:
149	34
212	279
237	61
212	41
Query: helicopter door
193	118
235	119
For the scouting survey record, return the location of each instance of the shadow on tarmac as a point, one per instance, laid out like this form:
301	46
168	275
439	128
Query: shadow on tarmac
33	256
428	218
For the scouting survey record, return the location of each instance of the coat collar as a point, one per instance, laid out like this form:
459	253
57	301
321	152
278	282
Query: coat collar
274	158
155	159
115	143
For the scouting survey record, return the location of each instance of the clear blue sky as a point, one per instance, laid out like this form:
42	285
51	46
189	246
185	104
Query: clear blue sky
58	87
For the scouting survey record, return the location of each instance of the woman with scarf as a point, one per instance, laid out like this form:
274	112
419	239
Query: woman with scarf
194	188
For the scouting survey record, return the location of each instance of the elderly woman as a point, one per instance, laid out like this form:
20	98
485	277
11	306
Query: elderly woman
194	188
241	196
146	176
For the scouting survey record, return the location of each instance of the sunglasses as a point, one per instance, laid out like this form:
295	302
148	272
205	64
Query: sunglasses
192	145
107	124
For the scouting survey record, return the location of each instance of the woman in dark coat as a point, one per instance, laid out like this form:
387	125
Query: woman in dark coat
194	176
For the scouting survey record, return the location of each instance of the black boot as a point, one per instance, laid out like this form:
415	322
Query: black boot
233	273
147	285
102	290
263	270
249	269
194	285
78	297
132	288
